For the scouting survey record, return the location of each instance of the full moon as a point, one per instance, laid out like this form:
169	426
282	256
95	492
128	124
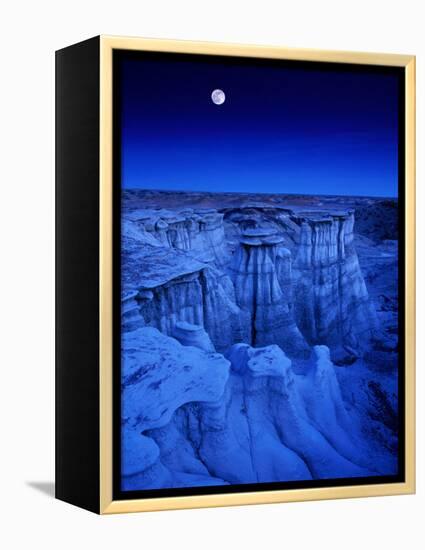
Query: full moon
218	97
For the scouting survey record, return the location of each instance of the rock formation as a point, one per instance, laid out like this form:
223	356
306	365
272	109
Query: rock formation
192	335
158	377
195	417
332	304
233	322
296	282
201	232
262	279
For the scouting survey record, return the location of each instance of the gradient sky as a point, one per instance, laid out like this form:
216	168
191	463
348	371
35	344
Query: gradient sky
281	129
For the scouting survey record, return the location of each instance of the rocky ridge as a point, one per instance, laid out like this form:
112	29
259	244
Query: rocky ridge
233	321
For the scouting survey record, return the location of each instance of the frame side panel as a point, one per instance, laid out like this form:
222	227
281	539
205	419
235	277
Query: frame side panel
77	274
410	275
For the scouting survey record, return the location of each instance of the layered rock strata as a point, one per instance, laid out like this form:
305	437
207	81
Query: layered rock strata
295	292
262	279
219	316
198	298
199	232
332	305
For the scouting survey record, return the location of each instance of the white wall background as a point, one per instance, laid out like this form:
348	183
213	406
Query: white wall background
30	31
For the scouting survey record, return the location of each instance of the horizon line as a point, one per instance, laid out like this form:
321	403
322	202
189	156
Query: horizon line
188	191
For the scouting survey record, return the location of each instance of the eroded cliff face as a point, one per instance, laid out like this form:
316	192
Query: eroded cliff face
332	304
201	298
279	278
201	233
261	272
233	323
164	284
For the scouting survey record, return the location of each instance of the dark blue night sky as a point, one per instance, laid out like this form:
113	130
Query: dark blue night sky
280	130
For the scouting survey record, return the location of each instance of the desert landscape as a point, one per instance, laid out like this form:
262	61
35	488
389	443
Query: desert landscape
259	338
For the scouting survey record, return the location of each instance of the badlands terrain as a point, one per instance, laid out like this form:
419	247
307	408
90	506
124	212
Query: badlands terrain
259	338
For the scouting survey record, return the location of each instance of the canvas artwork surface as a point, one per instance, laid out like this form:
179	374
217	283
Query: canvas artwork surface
259	273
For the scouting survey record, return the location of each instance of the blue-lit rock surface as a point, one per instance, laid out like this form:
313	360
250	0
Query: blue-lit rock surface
259	339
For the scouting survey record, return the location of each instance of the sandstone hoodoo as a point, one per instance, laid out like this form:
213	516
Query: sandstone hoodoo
262	279
249	338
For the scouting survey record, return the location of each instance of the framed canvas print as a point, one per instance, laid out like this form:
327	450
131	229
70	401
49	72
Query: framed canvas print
235	274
